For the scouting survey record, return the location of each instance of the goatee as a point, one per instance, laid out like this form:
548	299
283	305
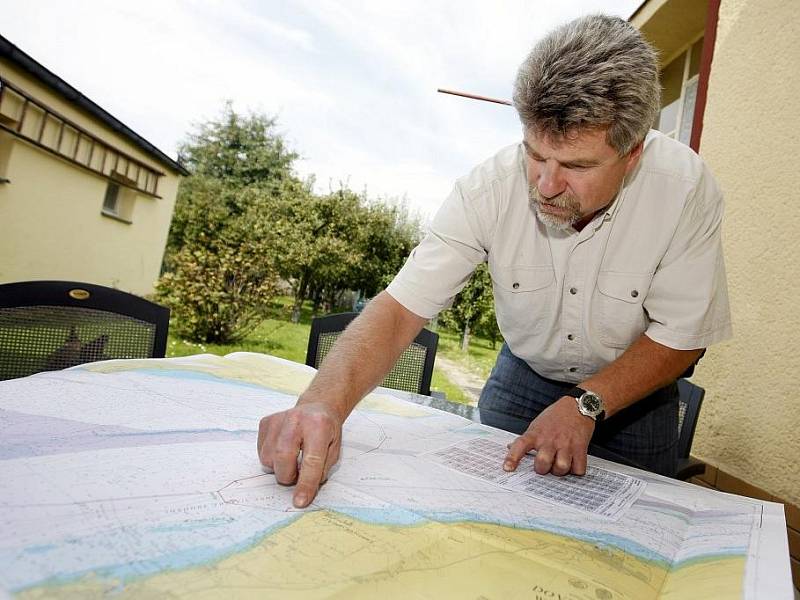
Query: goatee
565	210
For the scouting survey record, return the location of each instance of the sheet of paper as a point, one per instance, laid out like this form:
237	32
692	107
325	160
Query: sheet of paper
600	491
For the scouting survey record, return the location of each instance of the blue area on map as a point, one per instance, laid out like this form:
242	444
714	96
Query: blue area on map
599	539
200	376
195	525
381	516
40	549
21	435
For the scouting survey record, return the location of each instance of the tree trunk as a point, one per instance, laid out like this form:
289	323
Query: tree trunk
465	338
298	302
299	298
317	295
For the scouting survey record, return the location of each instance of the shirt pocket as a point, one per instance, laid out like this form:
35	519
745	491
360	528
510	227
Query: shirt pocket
619	311
523	298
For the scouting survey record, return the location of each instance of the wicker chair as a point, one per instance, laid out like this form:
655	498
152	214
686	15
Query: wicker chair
52	325
413	370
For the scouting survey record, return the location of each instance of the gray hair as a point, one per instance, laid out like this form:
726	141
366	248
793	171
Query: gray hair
595	71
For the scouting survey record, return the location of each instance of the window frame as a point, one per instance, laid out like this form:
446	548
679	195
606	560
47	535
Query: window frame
686	80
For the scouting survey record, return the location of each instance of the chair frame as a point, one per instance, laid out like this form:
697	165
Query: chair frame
339	321
91	296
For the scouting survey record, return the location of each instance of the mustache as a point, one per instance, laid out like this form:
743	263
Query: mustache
562	200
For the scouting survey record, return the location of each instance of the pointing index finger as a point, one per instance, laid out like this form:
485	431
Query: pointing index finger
316	448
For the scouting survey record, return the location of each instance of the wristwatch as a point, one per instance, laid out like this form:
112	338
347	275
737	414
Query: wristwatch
589	403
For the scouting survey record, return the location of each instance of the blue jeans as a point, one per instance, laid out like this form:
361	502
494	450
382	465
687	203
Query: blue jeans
645	433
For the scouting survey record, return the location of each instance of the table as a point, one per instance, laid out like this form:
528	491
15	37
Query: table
140	479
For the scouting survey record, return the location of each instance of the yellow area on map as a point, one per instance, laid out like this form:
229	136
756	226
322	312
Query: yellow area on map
248	367
282	376
344	558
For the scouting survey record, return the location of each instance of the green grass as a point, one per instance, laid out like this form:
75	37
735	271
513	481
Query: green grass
278	336
478	359
273	336
440	383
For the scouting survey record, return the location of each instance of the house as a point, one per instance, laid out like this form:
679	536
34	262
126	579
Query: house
730	90
82	196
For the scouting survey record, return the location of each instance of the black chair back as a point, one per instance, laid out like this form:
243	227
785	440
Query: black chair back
413	370
51	325
689	402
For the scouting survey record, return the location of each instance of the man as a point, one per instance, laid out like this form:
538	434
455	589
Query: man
603	241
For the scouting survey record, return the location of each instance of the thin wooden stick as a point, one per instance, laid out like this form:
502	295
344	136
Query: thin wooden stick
474	97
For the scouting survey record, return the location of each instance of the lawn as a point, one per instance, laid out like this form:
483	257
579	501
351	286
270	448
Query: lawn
278	336
480	355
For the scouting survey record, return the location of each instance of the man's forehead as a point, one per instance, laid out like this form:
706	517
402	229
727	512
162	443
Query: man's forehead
584	142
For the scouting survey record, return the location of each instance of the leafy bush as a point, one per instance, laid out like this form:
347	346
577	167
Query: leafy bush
216	295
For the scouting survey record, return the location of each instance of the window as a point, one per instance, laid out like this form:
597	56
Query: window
118	202
111	201
679	93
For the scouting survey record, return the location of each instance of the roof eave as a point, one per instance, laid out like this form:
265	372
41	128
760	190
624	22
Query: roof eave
12	53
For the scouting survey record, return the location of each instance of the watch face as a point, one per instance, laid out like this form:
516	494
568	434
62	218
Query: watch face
591	403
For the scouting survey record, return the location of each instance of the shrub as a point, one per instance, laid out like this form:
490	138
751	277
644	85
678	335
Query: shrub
216	295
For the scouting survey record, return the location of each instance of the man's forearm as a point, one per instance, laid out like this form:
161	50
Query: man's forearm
642	369
364	354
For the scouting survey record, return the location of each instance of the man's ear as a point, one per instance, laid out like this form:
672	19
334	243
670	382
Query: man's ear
633	157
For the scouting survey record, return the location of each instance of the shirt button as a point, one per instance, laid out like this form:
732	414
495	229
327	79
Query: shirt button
573	290
515	285
570	337
634	293
573	369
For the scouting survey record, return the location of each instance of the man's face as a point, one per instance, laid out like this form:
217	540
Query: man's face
570	178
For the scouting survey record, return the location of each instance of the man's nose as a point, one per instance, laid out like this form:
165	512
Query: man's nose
551	179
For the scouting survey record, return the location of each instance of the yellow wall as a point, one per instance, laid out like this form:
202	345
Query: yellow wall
750	422
51	226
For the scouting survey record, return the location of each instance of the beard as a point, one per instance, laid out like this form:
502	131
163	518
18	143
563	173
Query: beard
568	213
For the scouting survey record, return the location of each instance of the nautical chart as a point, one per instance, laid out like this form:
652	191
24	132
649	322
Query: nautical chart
140	479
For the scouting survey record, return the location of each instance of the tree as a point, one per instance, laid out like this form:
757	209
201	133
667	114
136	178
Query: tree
238	149
386	237
473	305
219	271
487	326
340	241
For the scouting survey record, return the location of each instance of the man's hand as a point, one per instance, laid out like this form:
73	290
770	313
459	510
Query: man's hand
560	435
313	428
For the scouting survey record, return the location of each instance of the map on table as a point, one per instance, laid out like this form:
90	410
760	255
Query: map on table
140	479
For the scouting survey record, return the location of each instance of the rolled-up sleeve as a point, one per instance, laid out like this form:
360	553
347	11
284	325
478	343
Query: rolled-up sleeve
688	305
440	266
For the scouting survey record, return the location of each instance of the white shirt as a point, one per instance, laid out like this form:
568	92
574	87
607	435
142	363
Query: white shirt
569	302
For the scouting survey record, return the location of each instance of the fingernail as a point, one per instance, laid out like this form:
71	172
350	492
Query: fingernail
300	500
508	466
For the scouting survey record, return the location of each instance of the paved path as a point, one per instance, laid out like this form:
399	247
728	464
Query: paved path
470	383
